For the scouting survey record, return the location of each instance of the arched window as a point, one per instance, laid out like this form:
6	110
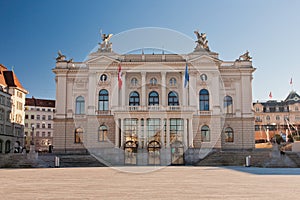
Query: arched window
134	99
229	137
134	82
102	133
153	98
268	117
103	100
204	99
7	146
153	81
173	82
228	104
78	135
205	134
79	105
1	146
173	99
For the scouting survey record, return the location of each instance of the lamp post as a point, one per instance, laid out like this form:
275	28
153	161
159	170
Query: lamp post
32	147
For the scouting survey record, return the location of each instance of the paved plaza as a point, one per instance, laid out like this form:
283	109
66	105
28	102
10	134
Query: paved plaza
150	183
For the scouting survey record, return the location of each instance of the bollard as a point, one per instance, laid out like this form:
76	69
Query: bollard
248	161
56	162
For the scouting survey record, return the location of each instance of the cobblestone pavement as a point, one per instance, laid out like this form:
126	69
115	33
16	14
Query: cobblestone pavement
165	183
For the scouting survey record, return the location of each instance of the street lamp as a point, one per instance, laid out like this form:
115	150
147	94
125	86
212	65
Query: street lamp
32	138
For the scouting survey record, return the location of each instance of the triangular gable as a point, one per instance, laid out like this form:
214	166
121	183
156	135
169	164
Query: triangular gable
205	59
103	59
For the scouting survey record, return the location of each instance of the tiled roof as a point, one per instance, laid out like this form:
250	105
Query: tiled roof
9	78
39	102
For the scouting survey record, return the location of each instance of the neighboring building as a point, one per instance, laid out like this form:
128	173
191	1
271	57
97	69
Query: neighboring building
39	123
12	101
277	117
153	118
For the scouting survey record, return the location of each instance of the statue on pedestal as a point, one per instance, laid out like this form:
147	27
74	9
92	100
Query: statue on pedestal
244	57
106	45
202	42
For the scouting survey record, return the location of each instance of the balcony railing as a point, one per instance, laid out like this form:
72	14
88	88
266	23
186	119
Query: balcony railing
103	112
153	108
204	112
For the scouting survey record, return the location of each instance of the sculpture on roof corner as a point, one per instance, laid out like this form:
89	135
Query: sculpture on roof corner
105	45
202	42
245	57
60	57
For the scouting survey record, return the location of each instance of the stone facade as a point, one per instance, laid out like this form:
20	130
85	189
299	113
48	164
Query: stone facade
12	101
156	115
277	117
39	123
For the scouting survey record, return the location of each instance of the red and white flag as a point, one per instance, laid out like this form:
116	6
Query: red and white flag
120	76
270	95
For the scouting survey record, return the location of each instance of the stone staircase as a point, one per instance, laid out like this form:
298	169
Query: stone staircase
16	161
79	160
295	157
235	158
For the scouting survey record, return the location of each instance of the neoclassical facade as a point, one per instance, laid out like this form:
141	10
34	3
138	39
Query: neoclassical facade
153	109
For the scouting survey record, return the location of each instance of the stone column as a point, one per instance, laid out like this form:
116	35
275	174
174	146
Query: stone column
92	105
184	92
117	138
162	133
168	133
185	133
70	82
145	133
139	132
193	93
123	89
122	132
143	84
114	90
191	135
163	88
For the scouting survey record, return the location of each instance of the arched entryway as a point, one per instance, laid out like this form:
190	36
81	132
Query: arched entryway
154	152
130	150
177	153
7	146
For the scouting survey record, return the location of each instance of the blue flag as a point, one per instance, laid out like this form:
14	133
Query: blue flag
186	76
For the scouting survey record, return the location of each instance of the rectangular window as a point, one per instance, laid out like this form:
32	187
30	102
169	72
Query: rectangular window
37	125
154	129
44	117
26	116
130	129
32	116
43	125
38	117
49	117
49	125
176	130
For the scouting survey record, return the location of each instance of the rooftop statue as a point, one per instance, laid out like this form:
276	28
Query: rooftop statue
202	42
245	57
60	57
105	45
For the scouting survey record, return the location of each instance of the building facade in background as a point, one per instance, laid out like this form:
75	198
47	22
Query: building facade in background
39	123
153	109
12	114
277	117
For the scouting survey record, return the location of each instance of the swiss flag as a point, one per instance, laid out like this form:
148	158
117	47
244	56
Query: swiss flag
120	76
270	95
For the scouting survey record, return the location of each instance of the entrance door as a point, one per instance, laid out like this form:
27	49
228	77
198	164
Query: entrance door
177	153
154	153
130	153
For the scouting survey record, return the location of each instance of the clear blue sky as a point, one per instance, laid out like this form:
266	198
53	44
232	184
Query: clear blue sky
33	31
